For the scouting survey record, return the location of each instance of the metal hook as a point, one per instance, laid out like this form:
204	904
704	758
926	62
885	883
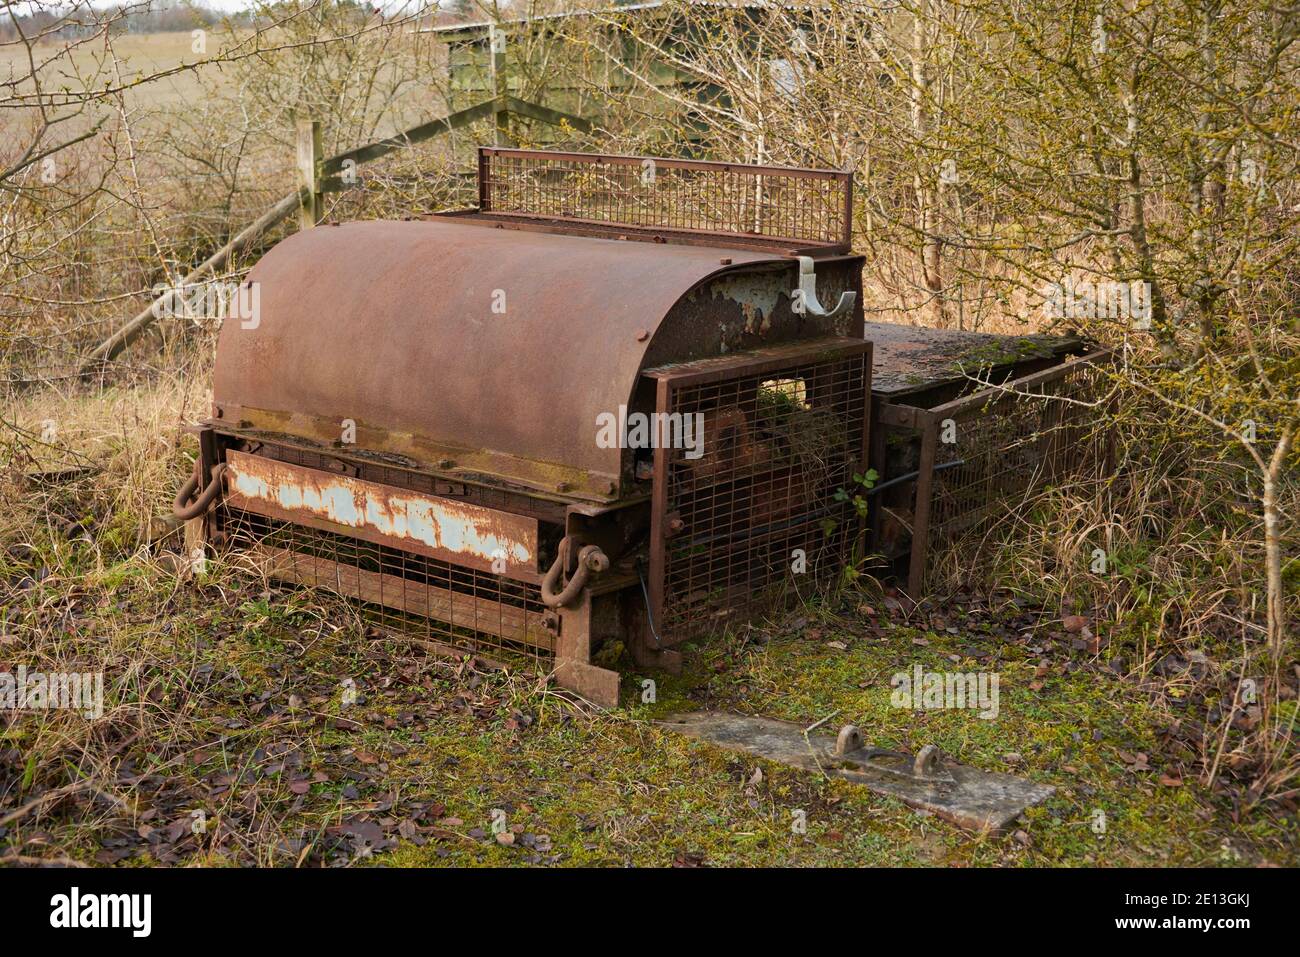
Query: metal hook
804	299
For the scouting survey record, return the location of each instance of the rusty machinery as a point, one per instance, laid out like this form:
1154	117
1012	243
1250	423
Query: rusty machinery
413	418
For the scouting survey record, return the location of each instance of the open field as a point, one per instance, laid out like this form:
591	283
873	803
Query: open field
140	55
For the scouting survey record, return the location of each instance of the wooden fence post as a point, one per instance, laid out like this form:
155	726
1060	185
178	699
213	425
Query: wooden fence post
497	58
318	176
309	172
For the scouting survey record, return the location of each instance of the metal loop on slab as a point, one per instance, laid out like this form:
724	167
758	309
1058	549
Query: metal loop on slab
927	761
849	740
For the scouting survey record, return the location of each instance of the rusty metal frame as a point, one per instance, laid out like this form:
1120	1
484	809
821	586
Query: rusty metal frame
828	229
462	606
455	603
928	422
671	380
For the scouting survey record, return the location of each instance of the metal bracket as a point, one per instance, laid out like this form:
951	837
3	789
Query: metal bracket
803	301
852	752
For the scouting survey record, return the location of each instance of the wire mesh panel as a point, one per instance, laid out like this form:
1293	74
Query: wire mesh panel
996	446
460	607
763	507
807	206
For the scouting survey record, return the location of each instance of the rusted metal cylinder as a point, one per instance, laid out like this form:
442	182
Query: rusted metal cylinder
442	340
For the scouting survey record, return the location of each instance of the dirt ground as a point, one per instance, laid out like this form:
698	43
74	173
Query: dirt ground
249	723
231	706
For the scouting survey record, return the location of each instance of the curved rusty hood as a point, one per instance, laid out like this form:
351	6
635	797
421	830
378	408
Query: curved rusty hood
391	325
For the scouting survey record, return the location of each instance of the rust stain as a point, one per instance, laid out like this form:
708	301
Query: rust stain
429	286
456	529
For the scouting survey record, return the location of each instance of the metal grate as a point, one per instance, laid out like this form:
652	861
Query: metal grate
807	206
1010	440
755	518
1007	441
463	608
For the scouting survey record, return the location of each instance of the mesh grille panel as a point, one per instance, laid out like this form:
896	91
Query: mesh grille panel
1008	443
731	199
756	513
461	607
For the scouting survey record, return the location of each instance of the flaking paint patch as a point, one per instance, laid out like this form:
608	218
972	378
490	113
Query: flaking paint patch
354	503
756	294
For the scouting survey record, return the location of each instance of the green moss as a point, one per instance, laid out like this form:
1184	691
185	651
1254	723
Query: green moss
614	789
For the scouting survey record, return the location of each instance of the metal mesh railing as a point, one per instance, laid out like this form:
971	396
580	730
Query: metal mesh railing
811	207
459	607
1009	440
756	515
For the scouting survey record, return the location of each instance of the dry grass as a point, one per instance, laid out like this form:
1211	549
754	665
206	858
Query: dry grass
223	696
1176	607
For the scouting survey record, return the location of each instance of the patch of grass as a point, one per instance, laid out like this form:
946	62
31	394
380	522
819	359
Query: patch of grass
234	675
227	696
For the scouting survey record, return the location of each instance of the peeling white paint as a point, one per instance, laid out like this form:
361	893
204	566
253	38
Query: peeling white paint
455	527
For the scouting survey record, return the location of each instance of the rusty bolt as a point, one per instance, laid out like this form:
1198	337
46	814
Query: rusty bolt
642	335
445	463
562	486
